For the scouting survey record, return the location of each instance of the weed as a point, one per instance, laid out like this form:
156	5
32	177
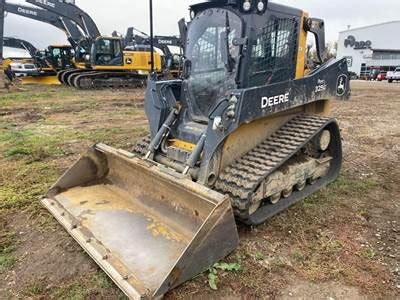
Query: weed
368	253
36	288
298	255
259	256
7	261
213	272
102	281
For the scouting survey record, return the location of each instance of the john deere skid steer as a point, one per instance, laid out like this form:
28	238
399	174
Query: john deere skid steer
244	135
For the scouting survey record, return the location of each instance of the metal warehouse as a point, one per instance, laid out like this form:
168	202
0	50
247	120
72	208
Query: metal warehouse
371	47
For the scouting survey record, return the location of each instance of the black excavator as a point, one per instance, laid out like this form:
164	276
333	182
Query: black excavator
243	135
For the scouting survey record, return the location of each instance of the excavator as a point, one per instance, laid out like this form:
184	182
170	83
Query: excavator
172	62
100	61
56	57
67	10
110	65
242	136
46	62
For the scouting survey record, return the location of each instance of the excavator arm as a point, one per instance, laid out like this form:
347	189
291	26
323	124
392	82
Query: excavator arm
71	12
66	25
20	44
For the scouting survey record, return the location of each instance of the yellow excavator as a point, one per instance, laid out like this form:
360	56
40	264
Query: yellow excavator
109	64
245	134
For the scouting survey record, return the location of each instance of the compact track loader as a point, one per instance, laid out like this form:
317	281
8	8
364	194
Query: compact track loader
244	135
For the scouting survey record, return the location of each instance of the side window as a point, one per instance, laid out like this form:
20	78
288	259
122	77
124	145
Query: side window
117	49
56	52
273	56
206	54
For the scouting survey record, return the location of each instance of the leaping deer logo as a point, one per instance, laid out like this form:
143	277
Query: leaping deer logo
341	85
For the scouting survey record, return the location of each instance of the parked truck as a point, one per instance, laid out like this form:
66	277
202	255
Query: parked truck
394	75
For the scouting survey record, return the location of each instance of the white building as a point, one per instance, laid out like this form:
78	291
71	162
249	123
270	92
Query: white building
371	47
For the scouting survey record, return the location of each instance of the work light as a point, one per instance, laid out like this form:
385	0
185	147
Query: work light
246	5
261	6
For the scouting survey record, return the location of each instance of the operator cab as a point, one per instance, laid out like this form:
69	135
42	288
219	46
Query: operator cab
107	52
60	57
237	44
234	44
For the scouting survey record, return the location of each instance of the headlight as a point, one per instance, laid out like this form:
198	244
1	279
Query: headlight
192	14
246	5
261	6
87	57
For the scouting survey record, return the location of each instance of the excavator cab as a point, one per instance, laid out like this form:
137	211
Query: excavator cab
107	51
244	134
60	57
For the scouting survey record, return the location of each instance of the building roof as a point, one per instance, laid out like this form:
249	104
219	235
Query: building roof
369	26
387	50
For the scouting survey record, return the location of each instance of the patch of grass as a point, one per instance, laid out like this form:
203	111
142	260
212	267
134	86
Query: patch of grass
368	253
22	183
25	142
7	261
96	285
36	288
33	96
259	256
101	280
344	186
7	246
298	255
73	292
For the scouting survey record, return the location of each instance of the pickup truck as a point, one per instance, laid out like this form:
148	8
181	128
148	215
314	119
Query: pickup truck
392	76
23	69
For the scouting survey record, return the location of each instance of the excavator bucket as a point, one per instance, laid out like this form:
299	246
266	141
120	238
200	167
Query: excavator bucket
148	227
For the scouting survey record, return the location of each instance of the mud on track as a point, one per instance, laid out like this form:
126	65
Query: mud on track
343	242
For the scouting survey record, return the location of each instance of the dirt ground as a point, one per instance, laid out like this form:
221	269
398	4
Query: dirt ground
342	243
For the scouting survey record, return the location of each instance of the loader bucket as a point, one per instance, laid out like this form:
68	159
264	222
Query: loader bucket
148	227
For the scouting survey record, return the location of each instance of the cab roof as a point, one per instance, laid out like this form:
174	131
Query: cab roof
197	7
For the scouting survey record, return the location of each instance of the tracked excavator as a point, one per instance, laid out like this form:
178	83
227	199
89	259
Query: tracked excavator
49	62
245	134
100	61
110	65
172	63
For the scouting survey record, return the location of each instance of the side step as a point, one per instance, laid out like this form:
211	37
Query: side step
149	228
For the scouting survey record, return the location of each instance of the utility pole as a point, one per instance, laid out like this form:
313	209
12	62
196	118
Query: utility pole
151	38
2	10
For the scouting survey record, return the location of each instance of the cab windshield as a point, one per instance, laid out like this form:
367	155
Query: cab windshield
213	58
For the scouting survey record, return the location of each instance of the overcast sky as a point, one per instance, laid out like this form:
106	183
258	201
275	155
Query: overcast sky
120	14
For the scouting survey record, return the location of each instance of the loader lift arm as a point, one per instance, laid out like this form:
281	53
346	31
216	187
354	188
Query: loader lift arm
45	16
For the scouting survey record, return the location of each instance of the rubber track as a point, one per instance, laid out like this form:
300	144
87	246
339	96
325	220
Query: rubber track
241	179
99	82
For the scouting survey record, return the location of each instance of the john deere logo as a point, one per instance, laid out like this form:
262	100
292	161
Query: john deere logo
341	85
47	3
27	11
357	45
